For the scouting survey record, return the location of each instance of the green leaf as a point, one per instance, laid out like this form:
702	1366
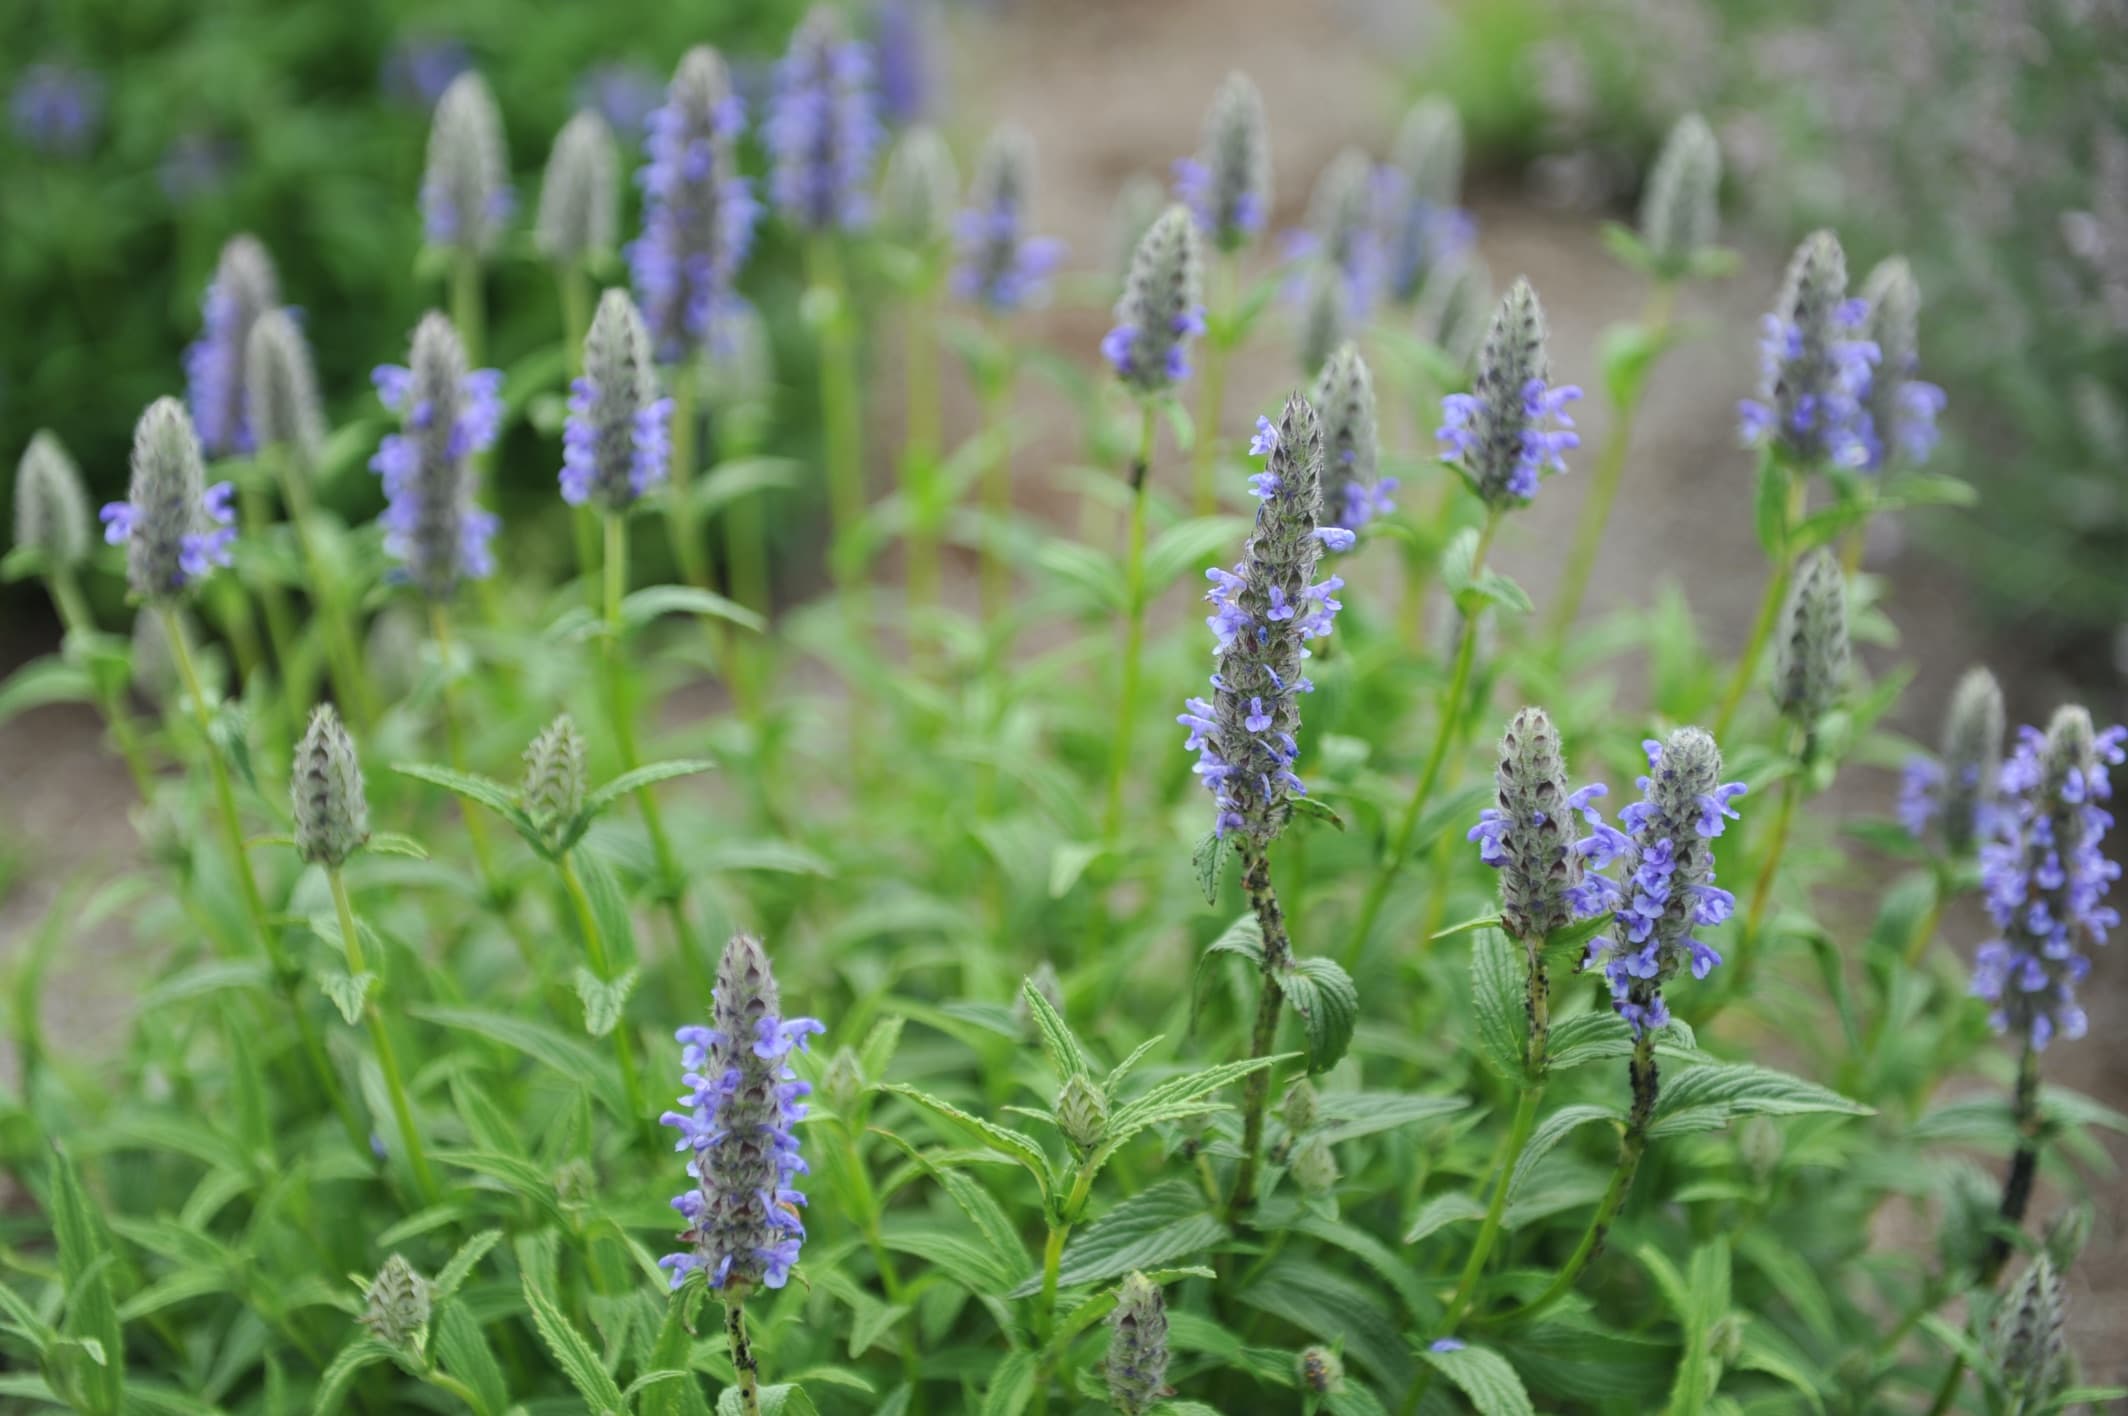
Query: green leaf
1499	987
1769	510
647	775
22	1320
1489	920
1549	1133
649	603
41	682
1625	352
742	477
1191	544
1068	861
1346	1116
1011	1386
393	844
1455	810
455	1272
485	790
84	1264
346	1365
1438	1213
1164	1222
565	1055
1328	1003
782	1399
349	993
1209	859
461	1349
603	1002
1485	1377
1066	1057
1707	1098
1499	588
1020	1146
1317	809
578	1360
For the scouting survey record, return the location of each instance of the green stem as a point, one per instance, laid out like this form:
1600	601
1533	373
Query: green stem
1948	1392
1445	734
1489	1231
1747	944
602	966
1747	667
74	618
573	284
2024	1167
1271	997
1205	464
919	462
380	1036
679	494
1917	946
839	419
467	307
476	825
1133	633
350	686
742	1355
280	627
1610	472
996	573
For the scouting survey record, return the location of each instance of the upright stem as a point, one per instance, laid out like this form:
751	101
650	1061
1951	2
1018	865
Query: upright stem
838	415
1610	471
602	966
350	686
467	308
1747	667
1747	949
679	495
1133	632
280	627
742	1355
74	618
1444	735
996	586
2024	1166
1271	997
1206	462
919	460
1917	946
1489	1231
381	1038
574	286
476	825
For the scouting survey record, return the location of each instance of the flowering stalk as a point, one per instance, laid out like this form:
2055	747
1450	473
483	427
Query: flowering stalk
1134	628
917	197
465	195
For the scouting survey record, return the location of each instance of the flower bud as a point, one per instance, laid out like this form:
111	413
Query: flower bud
1512	427
1972	758
281	388
1339	211
617	439
552	792
698	213
1456	304
1314	1167
843	1081
580	196
1162	307
1810	651
244	288
1082	1113
1137	1347
1344	400
917	196
1322	1371
331	812
1299	1107
1902	409
1000	266
1679	208
465	191
397	1310
1429	151
175	529
51	505
1528	836
1325	318
1227	185
2027	1342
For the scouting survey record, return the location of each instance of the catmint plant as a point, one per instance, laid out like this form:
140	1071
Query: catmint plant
1340	228
917	196
331	809
1680	205
51	504
245	287
1353	492
1954	792
1810	650
466	199
1136	1367
1162	307
999	266
281	405
1815	365
1419	228
448	413
698	213
1512	427
579	197
175	528
616	442
823	128
396	1309
1902	409
1227	185
2026	1341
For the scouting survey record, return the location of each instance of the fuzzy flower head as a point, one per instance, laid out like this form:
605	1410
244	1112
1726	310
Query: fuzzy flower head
1810	649
331	809
51	505
396	1307
555	779
1456	306
1344	400
448	413
1341	232
1902	409
902	42
1266	610
56	109
698	215
1326	318
1959	788
823	128
243	290
1429	151
1419	226
1162	307
1137	1346
1512	427
2026	1341
580	196
1227	185
999	266
1528	835
2045	877
921	186
175	528
1815	359
1680	206
1664	888
739	1132
617	439
465	192
281	407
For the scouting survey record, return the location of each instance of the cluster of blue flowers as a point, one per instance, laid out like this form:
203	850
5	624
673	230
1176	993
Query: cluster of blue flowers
1512	427
743	1101
1414	235
2045	878
698	213
56	109
174	529
1665	887
998	265
617	440
823	128
1815	365
448	413
244	287
1161	308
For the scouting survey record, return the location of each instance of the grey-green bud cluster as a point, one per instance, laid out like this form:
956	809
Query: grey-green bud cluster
1429	151
1680	207
1322	1371
1314	1167
1972	757
1456	305
281	388
1300	1106
1810	649
51	505
331	811
1538	864
1161	307
1082	1112
1235	163
552	792
1340	208
580	195
1323	319
2027	1343
917	195
397	1310
465	190
1137	1346
1344	401
167	494
618	395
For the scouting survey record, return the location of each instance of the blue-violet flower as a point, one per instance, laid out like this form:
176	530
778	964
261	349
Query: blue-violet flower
1512	427
698	215
175	529
823	128
447	414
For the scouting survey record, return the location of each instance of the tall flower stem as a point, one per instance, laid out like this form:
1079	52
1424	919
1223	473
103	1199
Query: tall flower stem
1133	631
919	461
468	308
476	825
1749	938
1271	997
1205	465
1610	472
74	618
284	972
996	582
1747	667
381	1038
602	966
280	625
1451	718
350	686
838	416
742	1356
2024	1166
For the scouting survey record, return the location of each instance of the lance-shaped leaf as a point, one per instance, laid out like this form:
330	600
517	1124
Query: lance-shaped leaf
1017	1144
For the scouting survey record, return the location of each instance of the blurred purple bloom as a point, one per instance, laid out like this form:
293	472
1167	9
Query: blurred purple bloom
57	108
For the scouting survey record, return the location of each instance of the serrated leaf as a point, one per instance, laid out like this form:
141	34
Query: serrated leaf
1209	861
1438	1213
647	775
340	1373
392	843
603	1002
85	1264
1499	1003
460	1266
1020	1146
461	1349
1328	1003
572	1059
485	790
1159	1224
1066	1057
1485	1378
1549	1133
1345	1116
1707	1098
1769	508
349	993
1317	809
578	1360
1011	1386
649	603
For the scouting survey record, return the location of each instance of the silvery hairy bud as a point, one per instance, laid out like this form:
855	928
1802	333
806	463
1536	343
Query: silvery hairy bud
1344	402
175	528
1082	1113
552	791
1325	318
331	811
580	196
2027	1341
1314	1167
1429	151
465	191
918	195
1972	757
281	388
397	1311
1227	185
1810	650
1512	427
1162	307
2066	1234
1137	1346
1679	208
617	439
51	505
1528	836
1300	1106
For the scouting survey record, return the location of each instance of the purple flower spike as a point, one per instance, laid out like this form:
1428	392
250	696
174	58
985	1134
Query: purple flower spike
698	215
823	128
432	525
1513	428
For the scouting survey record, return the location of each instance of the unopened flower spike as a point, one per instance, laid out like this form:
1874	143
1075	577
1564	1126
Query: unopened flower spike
245	287
1353	495
1137	1346
617	439
1665	886
466	199
1266	611
1138	205
1902	409
1162	307
175	528
396	1310
999	266
1810	648
1815	360
331	810
698	214
823	128
2027	1343
1326	318
918	195
1529	834
432	525
1322	1371
1420	227
555	779
580	196
2045	877
744	1103
281	388
1227	185
1680	207
1512	428
1429	151
51	504
1456	306
1959	787
1340	229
